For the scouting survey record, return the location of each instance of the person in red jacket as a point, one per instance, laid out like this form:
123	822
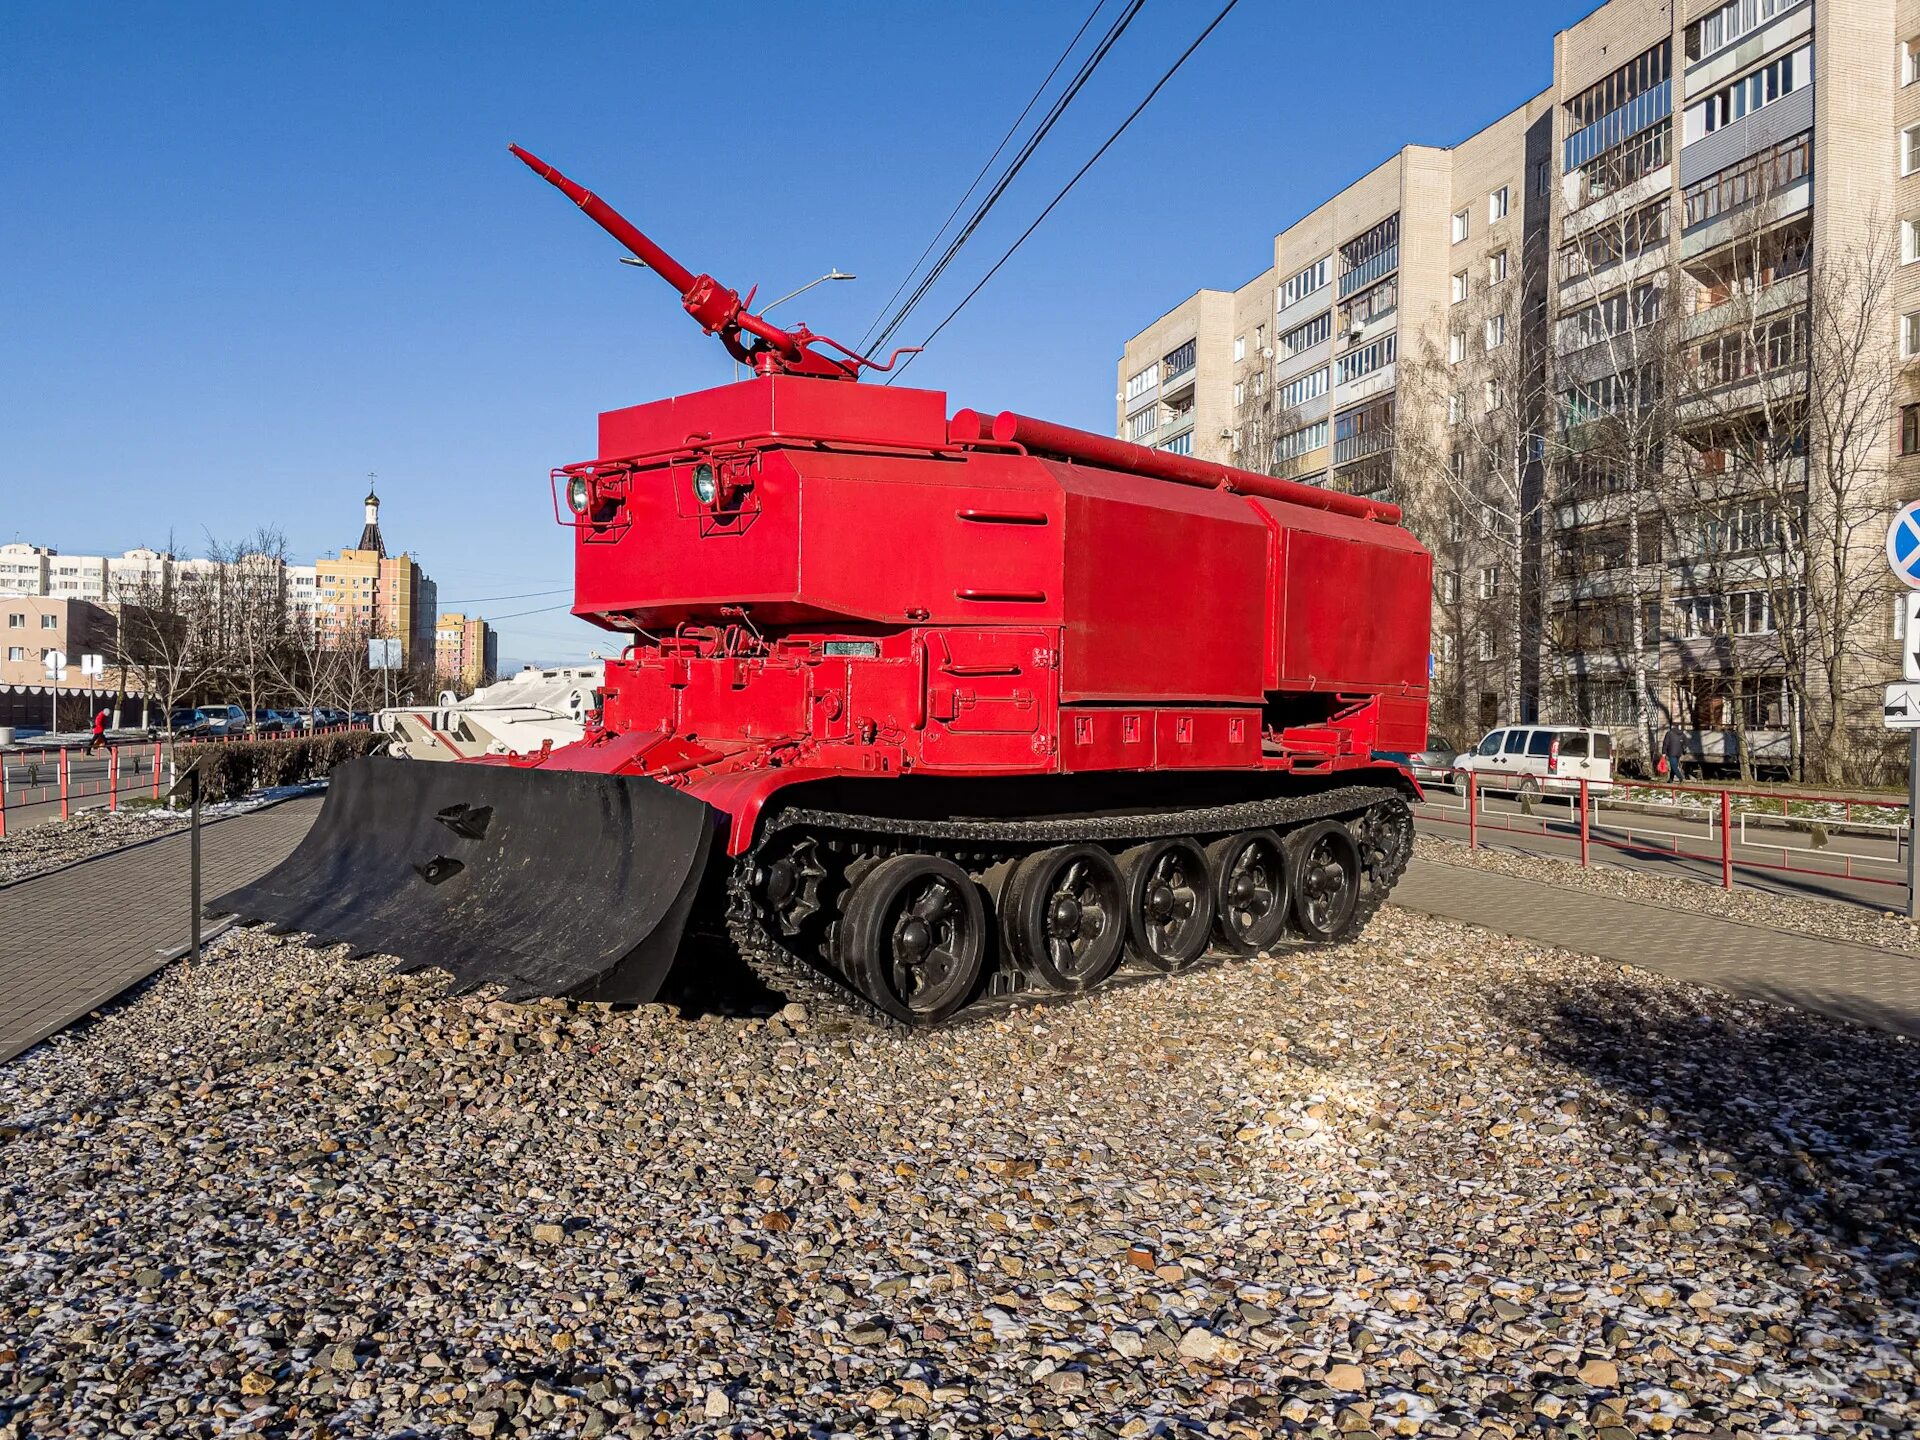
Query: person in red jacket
99	732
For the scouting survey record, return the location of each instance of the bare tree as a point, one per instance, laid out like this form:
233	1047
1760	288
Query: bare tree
252	614
168	640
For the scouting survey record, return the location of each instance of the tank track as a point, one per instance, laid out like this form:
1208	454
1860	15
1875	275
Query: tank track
1378	816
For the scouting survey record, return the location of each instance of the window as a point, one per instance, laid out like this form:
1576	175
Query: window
1485	639
1143	423
1542	177
1300	442
1493	396
1456	348
1496	267
1910	335
1370	305
1259	382
1460	225
1239	392
1459	286
1644	72
1446	649
16	652
1181	359
1910	429
1497	205
1309	386
16	622
1367	359
1771	82
1449	587
1307	335
1179	445
1909	62
1453	409
1909	241
1489	581
1910	150
49	622
1496	331
1751	179
1260	338
1721	27
1307	281
1142	381
1239	347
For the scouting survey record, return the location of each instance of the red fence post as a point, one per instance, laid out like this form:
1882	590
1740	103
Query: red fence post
1726	840
113	777
66	771
3	797
1583	822
1473	828
156	769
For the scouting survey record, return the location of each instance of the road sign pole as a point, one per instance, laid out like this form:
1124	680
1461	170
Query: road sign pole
193	860
1913	809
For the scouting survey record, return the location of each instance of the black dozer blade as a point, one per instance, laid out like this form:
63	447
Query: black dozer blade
546	882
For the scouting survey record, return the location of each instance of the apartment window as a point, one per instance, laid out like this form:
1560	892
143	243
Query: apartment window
16	622
1307	281
1909	241
1260	338
1497	205
1370	305
1300	442
1646	71
1720	28
1143	423
16	652
1910	429
1453	409
1489	582
1446	649
49	622
1485	641
1493	396
1309	386
1459	286
1142	381
1179	445
1456	348
1910	335
1181	360
1752	178
1909	62
1367	359
1910	150
1239	392
1259	382
1497	267
1771	82
1239	347
1309	334
1449	587
1496	331
1542	177
1461	225
1456	519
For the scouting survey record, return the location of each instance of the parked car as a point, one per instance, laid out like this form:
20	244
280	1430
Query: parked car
210	720
188	722
1434	765
1528	759
274	722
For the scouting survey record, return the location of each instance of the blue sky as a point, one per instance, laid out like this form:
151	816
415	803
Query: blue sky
249	253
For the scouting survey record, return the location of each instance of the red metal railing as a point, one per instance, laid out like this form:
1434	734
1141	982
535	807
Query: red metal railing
1585	803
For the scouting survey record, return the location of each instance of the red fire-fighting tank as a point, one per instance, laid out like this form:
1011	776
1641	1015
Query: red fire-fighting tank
941	703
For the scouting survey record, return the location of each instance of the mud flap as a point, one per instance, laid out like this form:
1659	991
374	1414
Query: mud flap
544	882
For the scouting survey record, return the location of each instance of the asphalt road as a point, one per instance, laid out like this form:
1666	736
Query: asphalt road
33	781
1860	868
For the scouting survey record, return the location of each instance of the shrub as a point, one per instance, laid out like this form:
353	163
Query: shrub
234	768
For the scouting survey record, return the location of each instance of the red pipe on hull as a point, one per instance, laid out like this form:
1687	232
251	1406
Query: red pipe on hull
1043	437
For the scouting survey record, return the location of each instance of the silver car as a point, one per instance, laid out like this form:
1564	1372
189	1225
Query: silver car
1434	765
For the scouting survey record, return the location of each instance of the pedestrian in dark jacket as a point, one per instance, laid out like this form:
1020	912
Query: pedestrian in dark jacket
1673	745
99	732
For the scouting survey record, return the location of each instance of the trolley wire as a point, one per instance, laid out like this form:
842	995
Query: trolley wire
1032	143
974	184
1064	189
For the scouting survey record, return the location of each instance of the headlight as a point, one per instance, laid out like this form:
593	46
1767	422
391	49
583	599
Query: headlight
577	494
704	484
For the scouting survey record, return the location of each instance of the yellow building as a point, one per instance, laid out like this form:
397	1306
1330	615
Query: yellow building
466	653
364	592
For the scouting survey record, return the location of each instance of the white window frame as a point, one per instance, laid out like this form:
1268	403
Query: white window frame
1910	150
1239	347
1456	348
1446	649
1239	392
1485	639
1496	332
1498	203
1489	582
1909	241
1453	409
1462	224
1910	335
1449	587
1499	266
1910	61
1461	286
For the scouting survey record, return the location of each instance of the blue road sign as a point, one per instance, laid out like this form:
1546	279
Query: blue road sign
1903	544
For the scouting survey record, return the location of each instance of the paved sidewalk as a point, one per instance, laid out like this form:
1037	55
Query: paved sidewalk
72	940
1853	982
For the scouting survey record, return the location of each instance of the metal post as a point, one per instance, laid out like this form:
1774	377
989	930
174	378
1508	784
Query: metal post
1913	809
113	777
1726	840
1473	827
193	859
65	768
156	769
1583	822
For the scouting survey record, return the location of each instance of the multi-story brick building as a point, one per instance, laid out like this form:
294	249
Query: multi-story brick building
363	592
466	652
1633	258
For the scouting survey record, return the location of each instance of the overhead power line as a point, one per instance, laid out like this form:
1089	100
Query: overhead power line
985	165
985	207
523	595
1105	145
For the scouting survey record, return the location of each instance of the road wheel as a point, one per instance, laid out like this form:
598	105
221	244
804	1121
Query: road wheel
913	937
1326	879
1062	917
1460	783
1169	903
1529	790
1249	873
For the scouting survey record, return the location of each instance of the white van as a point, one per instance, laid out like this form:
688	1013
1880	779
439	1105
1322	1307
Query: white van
1532	758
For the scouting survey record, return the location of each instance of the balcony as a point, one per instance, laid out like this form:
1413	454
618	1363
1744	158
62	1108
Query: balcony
1378	267
1644	111
1178	384
1358	447
1791	200
1748	136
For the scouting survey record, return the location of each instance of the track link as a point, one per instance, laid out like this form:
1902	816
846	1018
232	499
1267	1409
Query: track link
796	965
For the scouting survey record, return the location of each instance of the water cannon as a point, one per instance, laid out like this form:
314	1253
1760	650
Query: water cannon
720	310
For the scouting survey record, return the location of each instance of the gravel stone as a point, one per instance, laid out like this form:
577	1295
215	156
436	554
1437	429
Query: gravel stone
1435	1182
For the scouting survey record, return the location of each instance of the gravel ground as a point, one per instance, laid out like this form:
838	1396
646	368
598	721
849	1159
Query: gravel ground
33	849
1832	919
1431	1183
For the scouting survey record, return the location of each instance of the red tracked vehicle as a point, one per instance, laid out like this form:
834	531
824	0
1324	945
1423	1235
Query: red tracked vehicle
941	704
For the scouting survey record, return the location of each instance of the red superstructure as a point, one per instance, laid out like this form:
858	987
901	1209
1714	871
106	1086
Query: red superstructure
1062	694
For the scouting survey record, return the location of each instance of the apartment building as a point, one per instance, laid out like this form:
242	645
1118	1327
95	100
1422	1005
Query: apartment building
1640	239
466	652
120	579
364	593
